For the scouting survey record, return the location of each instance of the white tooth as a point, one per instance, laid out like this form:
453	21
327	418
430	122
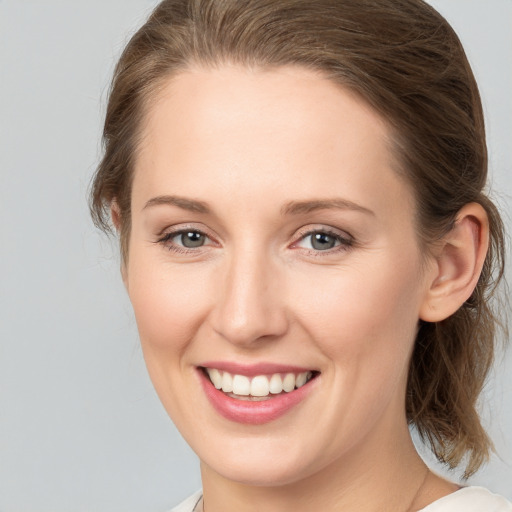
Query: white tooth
259	386
301	379
276	384
227	382
215	377
241	385
289	382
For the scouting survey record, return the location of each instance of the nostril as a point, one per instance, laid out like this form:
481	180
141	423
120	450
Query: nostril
247	331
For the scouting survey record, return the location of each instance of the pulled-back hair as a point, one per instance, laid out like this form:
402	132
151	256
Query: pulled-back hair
405	61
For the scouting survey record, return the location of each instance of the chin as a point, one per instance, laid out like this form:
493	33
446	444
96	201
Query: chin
268	473
262	463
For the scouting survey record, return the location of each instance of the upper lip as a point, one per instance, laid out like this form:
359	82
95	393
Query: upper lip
252	370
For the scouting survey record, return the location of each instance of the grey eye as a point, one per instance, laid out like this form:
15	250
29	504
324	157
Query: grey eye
322	241
191	239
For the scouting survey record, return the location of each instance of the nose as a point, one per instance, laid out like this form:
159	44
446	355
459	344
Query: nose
250	306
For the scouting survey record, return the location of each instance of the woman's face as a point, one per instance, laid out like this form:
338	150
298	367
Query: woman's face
273	243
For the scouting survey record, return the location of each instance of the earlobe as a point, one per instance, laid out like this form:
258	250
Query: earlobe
458	264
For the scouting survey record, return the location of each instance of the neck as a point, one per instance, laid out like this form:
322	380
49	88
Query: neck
380	474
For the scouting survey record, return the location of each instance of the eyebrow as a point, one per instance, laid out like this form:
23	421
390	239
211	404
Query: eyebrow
191	205
291	208
302	207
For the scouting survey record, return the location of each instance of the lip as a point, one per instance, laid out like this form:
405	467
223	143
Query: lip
253	412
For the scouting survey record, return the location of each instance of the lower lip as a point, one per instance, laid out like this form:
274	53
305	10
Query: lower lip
253	412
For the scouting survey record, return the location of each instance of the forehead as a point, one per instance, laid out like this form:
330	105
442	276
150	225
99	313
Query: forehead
262	129
276	99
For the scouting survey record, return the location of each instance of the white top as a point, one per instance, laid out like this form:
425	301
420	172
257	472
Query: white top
470	499
189	504
467	499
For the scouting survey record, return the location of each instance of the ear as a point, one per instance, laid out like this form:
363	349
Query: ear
457	264
115	215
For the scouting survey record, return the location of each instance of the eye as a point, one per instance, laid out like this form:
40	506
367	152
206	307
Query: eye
184	240
323	240
190	239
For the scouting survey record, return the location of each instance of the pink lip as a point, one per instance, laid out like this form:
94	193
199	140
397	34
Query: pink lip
252	370
253	412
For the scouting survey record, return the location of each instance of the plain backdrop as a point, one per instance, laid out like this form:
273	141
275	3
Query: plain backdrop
81	428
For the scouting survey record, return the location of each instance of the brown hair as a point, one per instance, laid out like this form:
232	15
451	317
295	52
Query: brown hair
405	60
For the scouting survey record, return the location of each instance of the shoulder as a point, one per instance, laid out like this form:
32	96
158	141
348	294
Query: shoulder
470	499
189	504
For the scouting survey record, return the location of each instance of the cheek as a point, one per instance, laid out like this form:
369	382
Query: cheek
364	322
168	302
363	316
169	306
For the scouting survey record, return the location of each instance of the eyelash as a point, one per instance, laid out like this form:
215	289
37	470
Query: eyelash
166	240
344	242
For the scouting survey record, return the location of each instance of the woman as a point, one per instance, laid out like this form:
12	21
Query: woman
298	190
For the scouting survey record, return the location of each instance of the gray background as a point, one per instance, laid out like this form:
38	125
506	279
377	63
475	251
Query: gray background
80	426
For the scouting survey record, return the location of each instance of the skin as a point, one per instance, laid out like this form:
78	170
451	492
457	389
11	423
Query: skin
246	144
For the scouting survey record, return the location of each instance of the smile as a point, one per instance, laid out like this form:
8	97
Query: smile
257	394
261	386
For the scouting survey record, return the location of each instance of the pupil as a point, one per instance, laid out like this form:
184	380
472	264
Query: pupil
192	239
322	241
